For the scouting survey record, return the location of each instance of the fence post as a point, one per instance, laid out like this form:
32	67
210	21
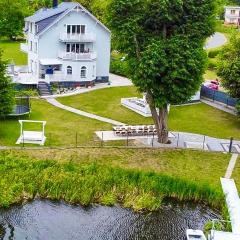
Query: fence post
127	139
204	140
178	140
231	144
153	140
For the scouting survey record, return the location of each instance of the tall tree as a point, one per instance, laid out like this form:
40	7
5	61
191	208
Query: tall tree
229	65
6	90
164	40
12	18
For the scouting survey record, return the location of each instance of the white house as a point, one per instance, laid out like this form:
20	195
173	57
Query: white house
66	43
232	15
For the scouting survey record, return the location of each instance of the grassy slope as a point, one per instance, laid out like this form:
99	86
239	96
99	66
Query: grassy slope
11	51
108	176
195	165
198	118
61	126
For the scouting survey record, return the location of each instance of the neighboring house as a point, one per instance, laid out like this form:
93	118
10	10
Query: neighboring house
232	15
67	43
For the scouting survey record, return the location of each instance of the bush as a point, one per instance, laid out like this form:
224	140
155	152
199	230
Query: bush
214	53
212	63
119	67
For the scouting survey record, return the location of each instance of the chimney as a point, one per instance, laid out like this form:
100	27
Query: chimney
55	3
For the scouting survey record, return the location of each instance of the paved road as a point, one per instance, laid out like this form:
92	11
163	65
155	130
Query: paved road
217	40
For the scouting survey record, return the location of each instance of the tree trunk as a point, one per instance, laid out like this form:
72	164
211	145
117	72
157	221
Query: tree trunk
159	118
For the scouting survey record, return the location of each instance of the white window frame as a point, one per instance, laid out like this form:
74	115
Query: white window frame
85	68
76	28
69	68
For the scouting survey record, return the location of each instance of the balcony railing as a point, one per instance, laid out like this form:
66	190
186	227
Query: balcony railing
24	47
89	56
69	37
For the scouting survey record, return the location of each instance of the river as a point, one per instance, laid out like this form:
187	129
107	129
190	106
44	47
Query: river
47	220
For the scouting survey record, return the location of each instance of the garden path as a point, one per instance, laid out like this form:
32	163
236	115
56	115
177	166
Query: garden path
55	103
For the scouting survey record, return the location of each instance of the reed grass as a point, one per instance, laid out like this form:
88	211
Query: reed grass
80	183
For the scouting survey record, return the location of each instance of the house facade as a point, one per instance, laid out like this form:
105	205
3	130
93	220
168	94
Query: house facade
67	43
232	15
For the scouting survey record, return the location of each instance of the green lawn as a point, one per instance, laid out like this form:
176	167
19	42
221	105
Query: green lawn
210	75
198	118
61	126
11	51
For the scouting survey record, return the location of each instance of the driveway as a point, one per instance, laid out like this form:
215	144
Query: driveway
216	40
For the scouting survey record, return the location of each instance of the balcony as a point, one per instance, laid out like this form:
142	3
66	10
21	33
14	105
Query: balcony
24	47
89	56
69	37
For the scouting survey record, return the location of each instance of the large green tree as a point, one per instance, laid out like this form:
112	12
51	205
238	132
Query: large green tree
164	40
12	17
6	90
229	67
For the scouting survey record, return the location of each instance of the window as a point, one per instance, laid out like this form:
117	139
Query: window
31	45
73	29
83	29
233	12
68	47
31	27
69	29
83	72
69	70
76	29
36	48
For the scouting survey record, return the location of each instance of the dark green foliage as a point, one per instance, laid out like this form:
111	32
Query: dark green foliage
229	66
22	178
164	41
214	53
12	18
6	90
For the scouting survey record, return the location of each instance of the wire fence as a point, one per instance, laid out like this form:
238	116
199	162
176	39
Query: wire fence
177	141
218	96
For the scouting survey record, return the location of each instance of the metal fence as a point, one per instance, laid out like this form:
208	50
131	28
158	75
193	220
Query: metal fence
178	141
218	96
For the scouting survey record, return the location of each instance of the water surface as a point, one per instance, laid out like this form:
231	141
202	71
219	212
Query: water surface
60	221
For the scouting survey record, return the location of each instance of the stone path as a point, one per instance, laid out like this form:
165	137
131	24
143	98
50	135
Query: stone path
217	40
231	166
55	103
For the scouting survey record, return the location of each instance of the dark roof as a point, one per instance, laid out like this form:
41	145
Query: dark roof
46	22
47	16
49	12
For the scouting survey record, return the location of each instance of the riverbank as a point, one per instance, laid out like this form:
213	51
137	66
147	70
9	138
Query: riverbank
124	176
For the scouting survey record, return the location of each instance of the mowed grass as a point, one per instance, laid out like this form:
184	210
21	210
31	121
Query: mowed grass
61	127
11	51
197	118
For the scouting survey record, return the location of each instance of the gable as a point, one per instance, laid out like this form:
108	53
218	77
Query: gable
78	8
